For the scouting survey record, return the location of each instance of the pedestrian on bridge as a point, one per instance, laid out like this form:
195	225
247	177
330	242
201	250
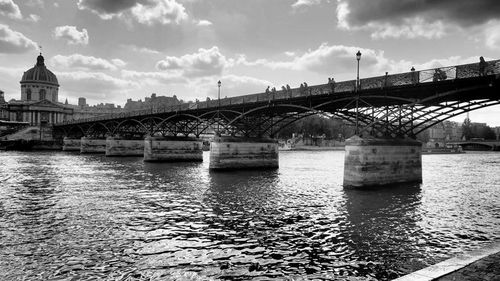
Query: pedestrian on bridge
331	82
267	90
483	66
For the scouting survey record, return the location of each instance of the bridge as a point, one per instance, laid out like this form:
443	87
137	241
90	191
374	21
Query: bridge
387	113
481	145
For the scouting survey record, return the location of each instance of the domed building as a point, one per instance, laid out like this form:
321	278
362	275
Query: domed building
39	83
39	103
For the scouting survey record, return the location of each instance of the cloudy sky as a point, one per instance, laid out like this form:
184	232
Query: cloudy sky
111	50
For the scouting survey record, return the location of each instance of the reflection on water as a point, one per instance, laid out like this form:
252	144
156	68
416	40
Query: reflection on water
68	216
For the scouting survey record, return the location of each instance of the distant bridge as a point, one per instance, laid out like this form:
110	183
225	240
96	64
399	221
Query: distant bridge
478	144
402	104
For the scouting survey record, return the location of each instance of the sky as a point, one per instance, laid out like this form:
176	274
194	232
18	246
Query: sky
111	50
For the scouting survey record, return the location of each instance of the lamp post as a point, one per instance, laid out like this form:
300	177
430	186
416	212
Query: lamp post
358	57
218	107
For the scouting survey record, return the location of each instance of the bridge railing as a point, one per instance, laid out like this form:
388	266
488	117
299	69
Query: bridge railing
400	79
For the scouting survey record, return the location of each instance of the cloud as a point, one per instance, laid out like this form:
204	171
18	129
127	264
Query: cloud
72	35
232	85
236	85
10	9
205	62
492	34
94	85
326	59
305	3
106	9
13	42
153	77
147	12
442	62
143	50
159	11
34	3
204	23
9	77
414	18
33	18
82	62
118	62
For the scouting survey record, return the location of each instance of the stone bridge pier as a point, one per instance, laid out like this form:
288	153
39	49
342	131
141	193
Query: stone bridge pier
71	144
92	145
243	153
377	161
117	146
173	149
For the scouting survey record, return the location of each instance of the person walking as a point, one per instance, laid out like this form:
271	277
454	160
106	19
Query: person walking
483	65
331	82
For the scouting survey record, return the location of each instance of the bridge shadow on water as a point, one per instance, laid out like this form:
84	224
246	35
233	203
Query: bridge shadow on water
384	226
243	190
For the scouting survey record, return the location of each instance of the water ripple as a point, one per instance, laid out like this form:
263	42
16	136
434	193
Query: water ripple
67	216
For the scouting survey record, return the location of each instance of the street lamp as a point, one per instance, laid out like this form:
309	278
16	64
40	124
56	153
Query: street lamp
218	107
358	57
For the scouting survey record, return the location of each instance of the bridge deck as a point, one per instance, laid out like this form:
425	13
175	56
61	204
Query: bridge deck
403	88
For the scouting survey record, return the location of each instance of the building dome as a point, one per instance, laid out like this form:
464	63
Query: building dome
39	74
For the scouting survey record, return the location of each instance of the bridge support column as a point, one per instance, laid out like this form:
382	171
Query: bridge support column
174	149
375	161
243	153
71	144
89	145
123	147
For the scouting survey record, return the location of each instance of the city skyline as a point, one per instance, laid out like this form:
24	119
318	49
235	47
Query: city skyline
109	51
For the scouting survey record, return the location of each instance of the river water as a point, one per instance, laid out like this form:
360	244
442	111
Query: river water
67	216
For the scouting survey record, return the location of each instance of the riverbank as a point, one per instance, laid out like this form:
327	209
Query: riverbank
23	145
481	264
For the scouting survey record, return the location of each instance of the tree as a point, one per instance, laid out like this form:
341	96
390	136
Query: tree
466	129
313	126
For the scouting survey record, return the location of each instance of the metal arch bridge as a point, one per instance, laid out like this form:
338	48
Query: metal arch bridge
400	105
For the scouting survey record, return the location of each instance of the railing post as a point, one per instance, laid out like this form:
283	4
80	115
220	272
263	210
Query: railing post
373	120
357	120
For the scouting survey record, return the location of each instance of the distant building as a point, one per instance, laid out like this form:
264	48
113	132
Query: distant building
39	98
82	102
82	111
153	102
444	132
4	107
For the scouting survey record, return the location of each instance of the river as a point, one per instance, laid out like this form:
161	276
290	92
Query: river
66	216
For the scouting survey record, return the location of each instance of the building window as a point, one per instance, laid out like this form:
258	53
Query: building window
28	94
43	94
